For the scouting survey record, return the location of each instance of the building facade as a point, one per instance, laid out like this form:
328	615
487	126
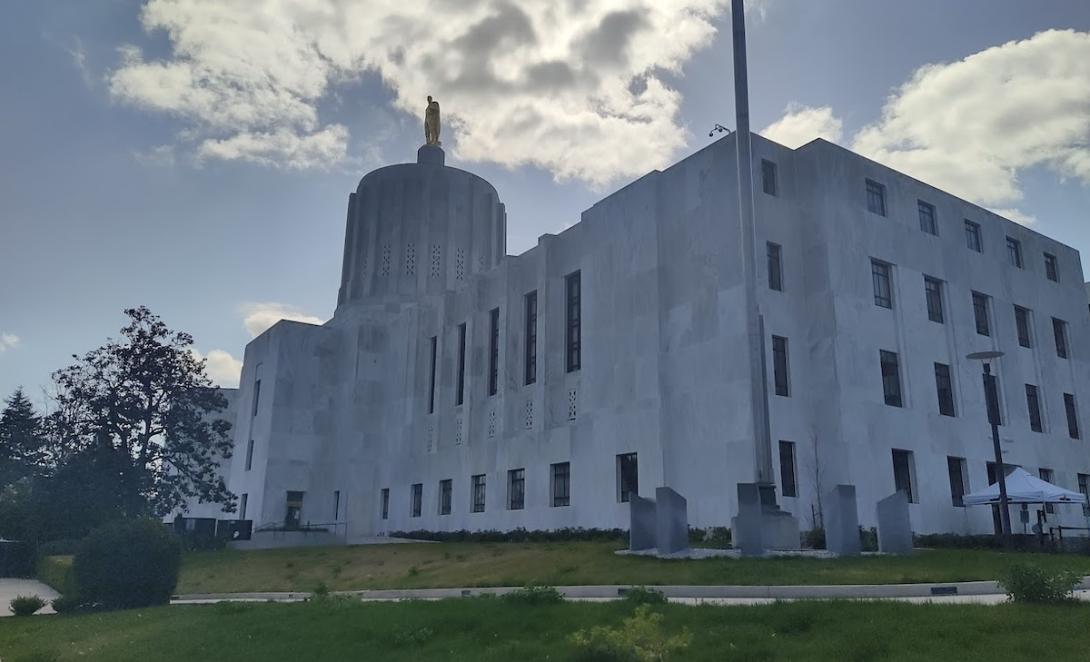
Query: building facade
458	387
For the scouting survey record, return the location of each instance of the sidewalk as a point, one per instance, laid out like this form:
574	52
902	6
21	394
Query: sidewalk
12	588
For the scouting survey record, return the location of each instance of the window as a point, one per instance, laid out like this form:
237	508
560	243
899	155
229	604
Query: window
628	479
1052	270
257	397
788	484
493	351
883	296
572	287
516	489
775	267
972	236
1084	487
336	505
1033	406
1059	333
460	393
927	217
417	495
561	484
768	176
1014	252
1049	477
955	466
903	474
944	388
1072	416
446	490
385	503
477	493
530	371
980	314
933	292
249	454
779	365
243	502
891	378
1021	320
876	197
431	383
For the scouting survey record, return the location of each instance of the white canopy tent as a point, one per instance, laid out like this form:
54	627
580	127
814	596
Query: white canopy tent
1023	487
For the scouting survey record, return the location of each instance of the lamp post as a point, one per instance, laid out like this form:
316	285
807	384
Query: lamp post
991	395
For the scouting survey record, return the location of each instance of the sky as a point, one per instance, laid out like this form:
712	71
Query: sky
196	156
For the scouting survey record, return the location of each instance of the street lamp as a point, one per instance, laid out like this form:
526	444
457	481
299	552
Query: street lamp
991	395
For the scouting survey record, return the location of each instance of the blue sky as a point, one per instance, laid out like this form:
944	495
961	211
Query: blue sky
196	156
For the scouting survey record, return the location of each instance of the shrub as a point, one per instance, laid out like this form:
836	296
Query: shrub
413	637
66	604
868	539
56	572
59	547
1026	582
128	563
26	605
641	595
639	638
814	538
534	595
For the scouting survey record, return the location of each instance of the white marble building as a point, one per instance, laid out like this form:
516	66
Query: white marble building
458	387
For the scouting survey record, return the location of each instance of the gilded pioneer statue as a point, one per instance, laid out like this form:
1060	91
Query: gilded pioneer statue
431	123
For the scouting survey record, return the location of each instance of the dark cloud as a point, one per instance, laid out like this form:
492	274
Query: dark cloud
608	43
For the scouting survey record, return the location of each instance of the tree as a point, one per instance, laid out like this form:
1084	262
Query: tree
144	407
21	439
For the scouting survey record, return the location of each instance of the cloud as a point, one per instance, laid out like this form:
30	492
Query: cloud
161	156
8	341
261	316
801	124
576	88
223	369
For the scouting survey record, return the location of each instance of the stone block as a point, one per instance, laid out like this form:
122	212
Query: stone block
641	523
894	527
842	521
672	521
747	526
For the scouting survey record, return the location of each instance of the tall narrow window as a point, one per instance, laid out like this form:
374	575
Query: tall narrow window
385	503
417	494
775	267
572	287
992	403
257	397
336	505
1033	408
1048	476
779	366
242	503
927	217
955	466
876	197
972	236
1052	270
1021	321
945	389
561	484
516	489
249	454
768	177
460	393
628	477
477	493
1072	416
880	276
1014	252
980	314
530	370
933	292
1059	333
788	485
903	478
493	351
1084	487
446	490
891	378
431	380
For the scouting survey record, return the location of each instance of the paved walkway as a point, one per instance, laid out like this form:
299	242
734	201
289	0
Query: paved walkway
12	588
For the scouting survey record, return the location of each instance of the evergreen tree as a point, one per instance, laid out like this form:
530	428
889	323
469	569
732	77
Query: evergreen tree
21	439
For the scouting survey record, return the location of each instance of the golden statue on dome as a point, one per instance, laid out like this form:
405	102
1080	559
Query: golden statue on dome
431	123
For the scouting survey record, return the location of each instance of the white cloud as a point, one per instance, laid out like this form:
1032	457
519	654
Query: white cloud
576	88
221	367
801	124
261	316
8	341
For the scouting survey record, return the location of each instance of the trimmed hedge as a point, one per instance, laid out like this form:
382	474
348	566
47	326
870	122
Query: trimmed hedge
56	572
129	563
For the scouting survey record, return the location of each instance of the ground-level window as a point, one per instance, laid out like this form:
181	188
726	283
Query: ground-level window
628	478
903	473
477	493
446	489
294	512
336	505
788	483
516	489
956	467
385	503
561	484
417	499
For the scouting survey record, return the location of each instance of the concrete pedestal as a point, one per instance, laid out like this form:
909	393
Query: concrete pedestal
672	521
894	527
642	523
760	524
842	521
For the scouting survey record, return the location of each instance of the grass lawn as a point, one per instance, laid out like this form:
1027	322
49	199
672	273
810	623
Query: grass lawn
493	629
423	565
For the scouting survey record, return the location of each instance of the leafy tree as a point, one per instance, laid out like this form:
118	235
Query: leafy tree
141	411
21	439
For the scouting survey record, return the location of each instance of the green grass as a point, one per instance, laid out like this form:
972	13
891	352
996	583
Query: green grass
491	629
569	563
